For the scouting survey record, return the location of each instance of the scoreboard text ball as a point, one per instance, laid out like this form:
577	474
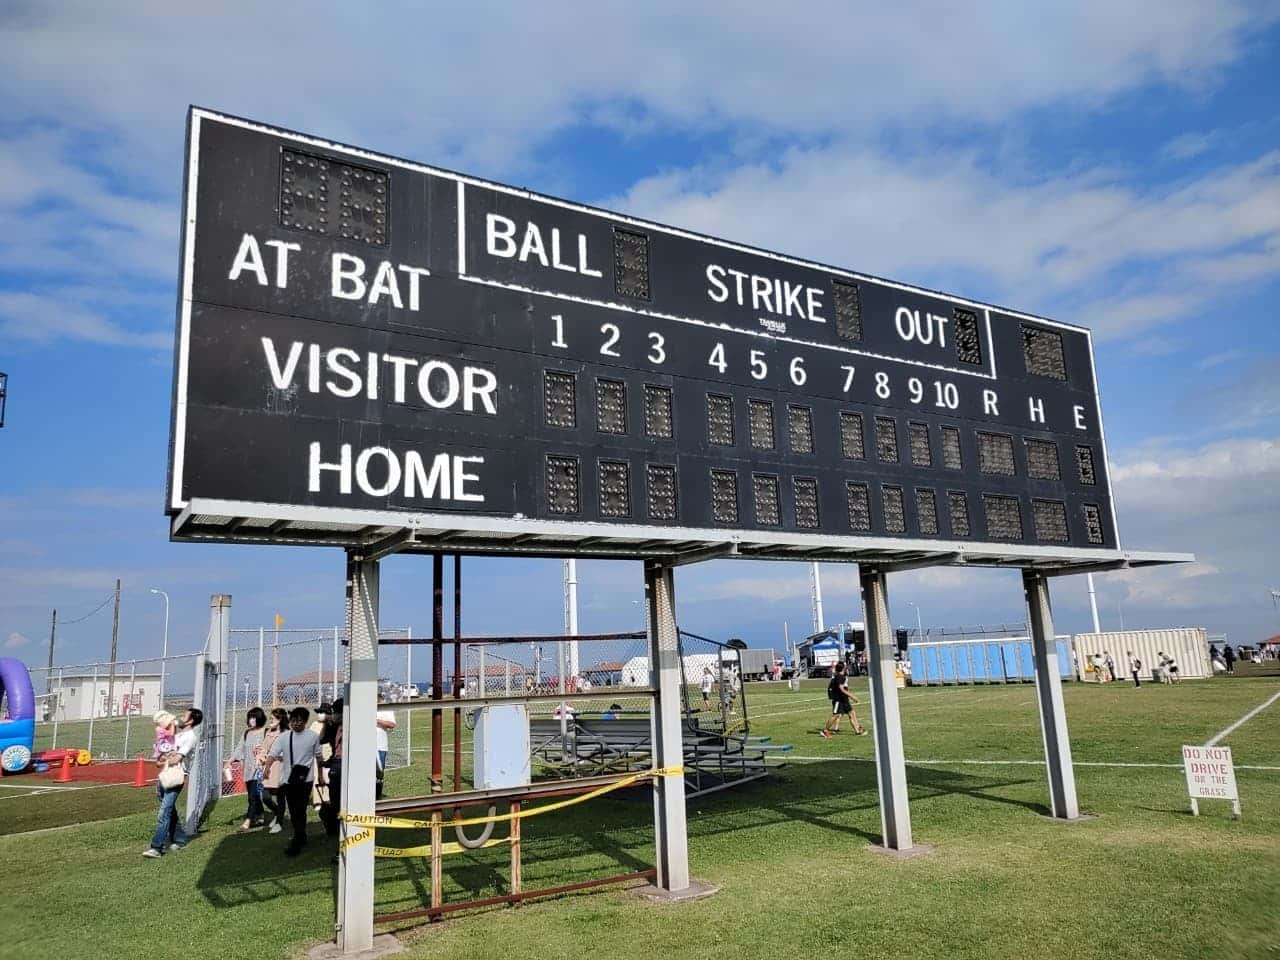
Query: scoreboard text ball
359	331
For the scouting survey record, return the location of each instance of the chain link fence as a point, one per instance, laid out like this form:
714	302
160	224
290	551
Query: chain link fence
107	708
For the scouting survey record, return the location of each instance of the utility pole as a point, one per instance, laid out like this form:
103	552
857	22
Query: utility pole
48	674
115	639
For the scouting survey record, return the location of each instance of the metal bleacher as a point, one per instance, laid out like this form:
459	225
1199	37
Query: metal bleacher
719	751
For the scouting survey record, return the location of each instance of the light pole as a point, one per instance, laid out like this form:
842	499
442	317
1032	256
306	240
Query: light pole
164	652
919	622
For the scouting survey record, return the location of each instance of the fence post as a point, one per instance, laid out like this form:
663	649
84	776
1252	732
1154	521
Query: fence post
128	713
57	708
262	636
93	708
319	671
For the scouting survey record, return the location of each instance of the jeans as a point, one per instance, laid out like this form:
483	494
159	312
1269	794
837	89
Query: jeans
168	825
380	773
253	790
273	800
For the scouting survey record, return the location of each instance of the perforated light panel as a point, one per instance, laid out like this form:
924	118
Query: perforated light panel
764	489
761	416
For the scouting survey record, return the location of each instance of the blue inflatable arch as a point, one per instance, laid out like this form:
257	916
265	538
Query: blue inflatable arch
18	730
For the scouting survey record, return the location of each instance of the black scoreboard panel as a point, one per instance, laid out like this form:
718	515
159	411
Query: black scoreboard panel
357	331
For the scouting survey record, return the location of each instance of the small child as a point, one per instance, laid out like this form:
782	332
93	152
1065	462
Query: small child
166	733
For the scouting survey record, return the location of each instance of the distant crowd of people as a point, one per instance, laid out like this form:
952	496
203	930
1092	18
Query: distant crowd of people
289	763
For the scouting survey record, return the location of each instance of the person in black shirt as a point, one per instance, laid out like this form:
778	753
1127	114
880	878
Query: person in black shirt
841	703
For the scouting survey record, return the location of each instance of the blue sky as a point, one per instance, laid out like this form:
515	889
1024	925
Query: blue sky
1111	164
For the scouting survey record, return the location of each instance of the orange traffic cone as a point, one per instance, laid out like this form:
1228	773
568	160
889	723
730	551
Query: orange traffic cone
64	775
139	774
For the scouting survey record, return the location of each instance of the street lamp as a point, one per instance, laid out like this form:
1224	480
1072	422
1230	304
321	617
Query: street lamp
164	653
919	622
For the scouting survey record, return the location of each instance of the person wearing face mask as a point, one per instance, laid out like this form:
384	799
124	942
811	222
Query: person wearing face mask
248	755
272	794
296	750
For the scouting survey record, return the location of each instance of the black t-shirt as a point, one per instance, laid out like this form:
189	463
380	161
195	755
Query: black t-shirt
833	688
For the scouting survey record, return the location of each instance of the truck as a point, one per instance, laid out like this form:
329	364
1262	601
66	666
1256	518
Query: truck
754	663
818	655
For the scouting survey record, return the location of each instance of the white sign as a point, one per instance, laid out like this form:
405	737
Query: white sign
1210	776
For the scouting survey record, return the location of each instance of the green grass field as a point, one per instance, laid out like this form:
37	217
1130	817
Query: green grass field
1143	879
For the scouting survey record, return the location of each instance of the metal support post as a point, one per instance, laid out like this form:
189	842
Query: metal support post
891	764
670	827
359	755
437	671
1053	716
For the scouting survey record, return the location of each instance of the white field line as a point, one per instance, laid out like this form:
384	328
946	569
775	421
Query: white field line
1014	763
1218	737
66	826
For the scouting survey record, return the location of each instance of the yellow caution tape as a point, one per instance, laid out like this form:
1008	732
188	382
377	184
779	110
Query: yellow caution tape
445	849
359	837
403	823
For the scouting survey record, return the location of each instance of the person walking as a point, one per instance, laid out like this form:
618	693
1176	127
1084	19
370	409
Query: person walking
1135	667
272	796
248	754
1229	656
296	750
841	703
386	721
331	742
174	767
1110	664
708	681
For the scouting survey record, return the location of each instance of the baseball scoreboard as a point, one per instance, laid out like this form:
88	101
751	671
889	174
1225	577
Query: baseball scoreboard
358	331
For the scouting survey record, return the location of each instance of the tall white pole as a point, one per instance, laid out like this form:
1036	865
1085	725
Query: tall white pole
571	612
815	579
1093	605
164	651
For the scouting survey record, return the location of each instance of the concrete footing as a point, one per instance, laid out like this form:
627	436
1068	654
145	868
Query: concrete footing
1080	818
918	850
696	890
384	945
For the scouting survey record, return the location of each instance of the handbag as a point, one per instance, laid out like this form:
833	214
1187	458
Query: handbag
299	773
172	776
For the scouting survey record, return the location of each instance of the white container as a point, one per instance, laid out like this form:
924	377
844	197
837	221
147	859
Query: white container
1189	647
500	750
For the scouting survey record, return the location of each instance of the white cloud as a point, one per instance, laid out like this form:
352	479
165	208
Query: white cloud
1094	247
15	641
1187	146
1217	501
529	70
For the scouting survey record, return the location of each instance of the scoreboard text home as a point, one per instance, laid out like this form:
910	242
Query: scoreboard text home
362	333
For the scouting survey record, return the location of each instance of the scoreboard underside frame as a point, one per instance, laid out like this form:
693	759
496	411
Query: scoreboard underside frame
373	534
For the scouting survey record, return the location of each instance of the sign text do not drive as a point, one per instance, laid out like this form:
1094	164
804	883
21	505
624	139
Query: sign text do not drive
1210	776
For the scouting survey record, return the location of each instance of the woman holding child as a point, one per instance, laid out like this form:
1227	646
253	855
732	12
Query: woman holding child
175	744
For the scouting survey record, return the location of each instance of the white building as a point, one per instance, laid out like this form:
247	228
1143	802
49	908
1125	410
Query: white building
85	697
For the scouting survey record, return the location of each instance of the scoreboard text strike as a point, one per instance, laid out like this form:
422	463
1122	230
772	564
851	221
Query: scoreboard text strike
359	331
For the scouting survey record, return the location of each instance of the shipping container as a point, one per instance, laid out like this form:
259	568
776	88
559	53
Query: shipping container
1189	647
